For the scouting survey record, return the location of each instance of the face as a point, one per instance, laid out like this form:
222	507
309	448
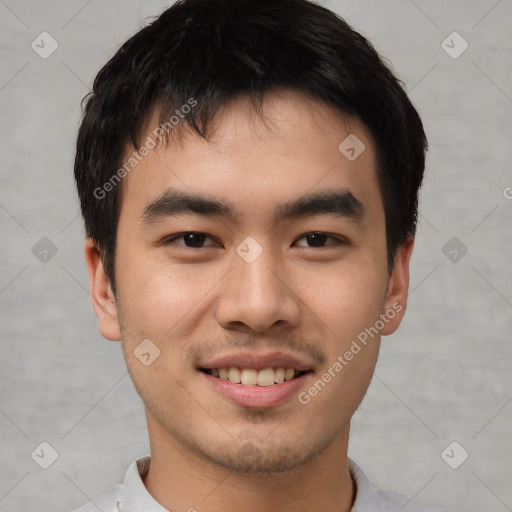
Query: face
259	255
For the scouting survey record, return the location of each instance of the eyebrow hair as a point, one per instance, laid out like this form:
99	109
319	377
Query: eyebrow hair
341	203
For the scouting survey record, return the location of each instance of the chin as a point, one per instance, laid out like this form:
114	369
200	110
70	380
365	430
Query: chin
260	457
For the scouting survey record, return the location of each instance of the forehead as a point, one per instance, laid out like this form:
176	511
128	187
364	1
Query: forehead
302	145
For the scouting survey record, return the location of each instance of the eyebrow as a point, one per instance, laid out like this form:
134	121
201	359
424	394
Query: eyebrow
340	203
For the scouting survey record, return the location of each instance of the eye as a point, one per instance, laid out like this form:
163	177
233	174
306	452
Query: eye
196	240
320	240
190	239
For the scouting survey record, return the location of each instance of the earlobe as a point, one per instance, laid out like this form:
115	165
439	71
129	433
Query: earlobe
103	300
398	288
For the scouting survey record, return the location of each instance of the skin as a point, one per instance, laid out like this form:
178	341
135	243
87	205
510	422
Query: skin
207	452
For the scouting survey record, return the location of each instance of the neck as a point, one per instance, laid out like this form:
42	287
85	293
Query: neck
181	480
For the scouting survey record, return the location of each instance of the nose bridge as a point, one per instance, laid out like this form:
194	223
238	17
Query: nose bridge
255	293
256	279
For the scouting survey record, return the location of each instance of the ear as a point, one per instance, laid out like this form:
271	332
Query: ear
103	300
398	288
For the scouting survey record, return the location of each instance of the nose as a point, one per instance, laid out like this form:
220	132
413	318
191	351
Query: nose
257	295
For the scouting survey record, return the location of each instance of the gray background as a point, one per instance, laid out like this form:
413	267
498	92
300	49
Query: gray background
444	376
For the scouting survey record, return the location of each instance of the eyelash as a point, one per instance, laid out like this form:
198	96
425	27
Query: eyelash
337	240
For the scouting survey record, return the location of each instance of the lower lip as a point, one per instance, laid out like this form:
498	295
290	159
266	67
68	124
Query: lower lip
256	396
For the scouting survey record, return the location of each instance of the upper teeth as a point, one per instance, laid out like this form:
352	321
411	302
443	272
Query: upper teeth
249	376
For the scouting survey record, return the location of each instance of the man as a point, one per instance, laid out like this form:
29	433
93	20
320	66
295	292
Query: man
248	172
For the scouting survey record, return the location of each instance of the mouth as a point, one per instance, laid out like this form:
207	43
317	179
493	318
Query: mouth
257	379
265	377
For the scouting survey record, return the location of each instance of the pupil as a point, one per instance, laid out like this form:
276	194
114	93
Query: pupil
194	239
316	239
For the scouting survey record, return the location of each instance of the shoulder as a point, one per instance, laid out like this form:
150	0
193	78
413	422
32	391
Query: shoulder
369	499
107	501
392	502
115	498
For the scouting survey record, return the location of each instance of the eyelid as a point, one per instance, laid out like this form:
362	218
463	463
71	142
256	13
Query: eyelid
171	239
339	239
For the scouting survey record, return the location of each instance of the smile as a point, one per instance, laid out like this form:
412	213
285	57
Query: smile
252	377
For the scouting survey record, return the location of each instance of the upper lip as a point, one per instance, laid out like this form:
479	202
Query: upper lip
258	361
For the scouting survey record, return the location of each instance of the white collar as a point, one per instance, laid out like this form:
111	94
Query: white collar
134	497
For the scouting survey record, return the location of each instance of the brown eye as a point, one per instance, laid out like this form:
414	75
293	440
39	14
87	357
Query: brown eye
190	239
319	240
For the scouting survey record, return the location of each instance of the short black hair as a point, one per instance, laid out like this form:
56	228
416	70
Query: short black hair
211	51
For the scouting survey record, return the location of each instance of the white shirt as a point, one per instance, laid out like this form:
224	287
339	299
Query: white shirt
132	495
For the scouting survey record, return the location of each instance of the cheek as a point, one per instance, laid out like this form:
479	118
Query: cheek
347	307
158	295
346	302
